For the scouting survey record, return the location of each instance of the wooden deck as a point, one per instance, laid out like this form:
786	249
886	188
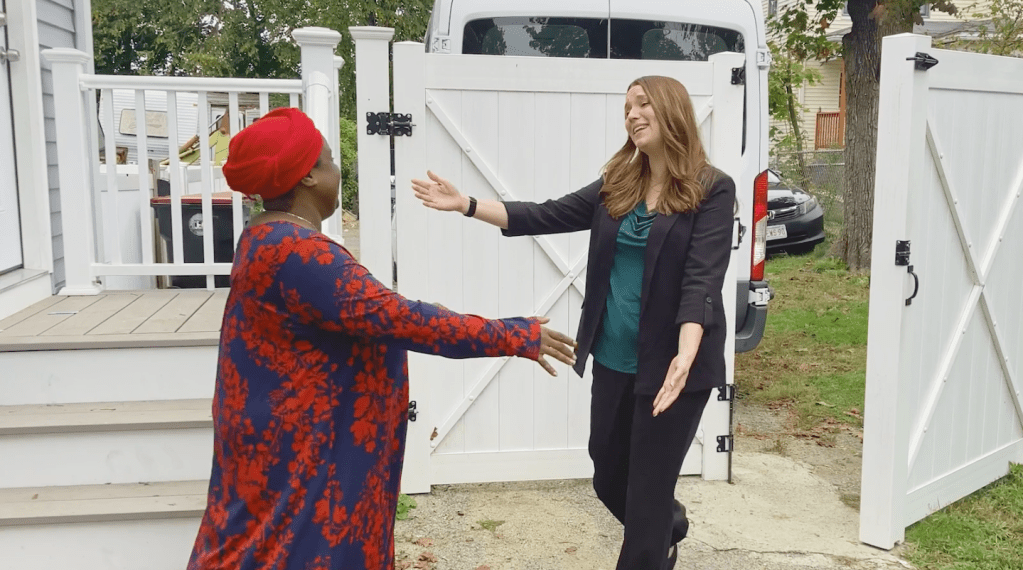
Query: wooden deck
165	317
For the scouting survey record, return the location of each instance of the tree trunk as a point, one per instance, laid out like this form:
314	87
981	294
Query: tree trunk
862	54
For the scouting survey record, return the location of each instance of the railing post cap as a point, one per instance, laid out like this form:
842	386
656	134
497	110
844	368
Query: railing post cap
66	55
339	62
371	33
316	36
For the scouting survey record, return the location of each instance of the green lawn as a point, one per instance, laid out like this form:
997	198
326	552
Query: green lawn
982	532
813	357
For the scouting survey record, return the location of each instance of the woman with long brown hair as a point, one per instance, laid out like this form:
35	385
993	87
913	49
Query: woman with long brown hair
653	316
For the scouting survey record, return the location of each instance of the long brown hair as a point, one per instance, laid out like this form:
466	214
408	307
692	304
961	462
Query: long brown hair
627	174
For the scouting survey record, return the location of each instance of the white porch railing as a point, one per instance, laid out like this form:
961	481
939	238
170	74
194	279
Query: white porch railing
107	236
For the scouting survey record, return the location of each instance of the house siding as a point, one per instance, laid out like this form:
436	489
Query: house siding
825	94
56	21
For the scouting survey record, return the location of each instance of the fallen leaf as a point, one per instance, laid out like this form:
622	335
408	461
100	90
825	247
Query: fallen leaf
428	557
461	514
421	565
36	496
483	568
424	542
571	549
434	435
403	565
825	404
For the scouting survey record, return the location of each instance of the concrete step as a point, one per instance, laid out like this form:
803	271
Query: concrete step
100	527
105	442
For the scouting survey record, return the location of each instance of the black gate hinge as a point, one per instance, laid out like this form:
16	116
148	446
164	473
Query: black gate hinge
922	61
726	393
387	124
413	413
725	444
738	76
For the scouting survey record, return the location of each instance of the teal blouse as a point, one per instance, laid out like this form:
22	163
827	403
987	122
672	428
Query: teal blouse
616	345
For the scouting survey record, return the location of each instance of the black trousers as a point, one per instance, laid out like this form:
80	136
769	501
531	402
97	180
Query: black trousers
636	463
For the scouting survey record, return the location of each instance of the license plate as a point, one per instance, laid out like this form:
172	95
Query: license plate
776	232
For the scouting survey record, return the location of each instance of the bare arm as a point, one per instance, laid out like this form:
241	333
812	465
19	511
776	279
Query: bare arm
570	213
439	194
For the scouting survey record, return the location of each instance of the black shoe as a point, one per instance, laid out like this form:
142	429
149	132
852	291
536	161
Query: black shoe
680	524
672	557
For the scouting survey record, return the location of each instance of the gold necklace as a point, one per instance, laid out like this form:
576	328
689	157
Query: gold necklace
312	226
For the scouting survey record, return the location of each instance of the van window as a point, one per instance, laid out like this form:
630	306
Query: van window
645	39
542	37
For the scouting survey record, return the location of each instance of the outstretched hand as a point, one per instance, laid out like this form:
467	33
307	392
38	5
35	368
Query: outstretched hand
674	382
439	194
555	344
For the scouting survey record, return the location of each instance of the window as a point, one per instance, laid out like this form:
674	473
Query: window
643	39
542	37
925	11
772	7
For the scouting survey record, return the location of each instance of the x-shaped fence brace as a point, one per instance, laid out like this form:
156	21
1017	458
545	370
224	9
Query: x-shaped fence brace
979	265
570	272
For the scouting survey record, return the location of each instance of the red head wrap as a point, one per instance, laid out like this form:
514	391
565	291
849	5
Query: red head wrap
273	154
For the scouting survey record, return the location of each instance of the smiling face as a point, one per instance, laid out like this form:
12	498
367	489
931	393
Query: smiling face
641	122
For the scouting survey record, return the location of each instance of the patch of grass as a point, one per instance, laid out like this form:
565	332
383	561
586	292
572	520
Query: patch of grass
813	355
490	525
851	500
982	532
405	504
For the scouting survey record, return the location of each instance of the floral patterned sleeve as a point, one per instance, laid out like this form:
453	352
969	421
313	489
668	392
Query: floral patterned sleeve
323	286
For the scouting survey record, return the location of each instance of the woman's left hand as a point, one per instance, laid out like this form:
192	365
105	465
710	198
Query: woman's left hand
674	382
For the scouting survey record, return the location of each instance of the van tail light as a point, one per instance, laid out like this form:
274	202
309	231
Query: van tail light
759	255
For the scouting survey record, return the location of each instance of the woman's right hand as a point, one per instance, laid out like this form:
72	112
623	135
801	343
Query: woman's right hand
439	194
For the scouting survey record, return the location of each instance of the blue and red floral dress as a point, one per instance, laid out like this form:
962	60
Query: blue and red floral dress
311	404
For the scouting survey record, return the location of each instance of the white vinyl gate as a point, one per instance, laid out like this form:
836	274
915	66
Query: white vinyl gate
944	370
515	128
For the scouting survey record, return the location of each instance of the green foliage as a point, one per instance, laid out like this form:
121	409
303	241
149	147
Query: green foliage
1002	34
242	38
981	532
349	165
405	504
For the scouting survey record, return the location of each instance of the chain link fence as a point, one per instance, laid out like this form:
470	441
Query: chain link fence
819	172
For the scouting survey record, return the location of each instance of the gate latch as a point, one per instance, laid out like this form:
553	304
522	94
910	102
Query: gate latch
738	232
413	413
387	124
922	61
902	260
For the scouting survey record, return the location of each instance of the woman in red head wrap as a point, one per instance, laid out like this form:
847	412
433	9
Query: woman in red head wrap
311	398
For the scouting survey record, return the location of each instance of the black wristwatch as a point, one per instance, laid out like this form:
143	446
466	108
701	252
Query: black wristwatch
472	208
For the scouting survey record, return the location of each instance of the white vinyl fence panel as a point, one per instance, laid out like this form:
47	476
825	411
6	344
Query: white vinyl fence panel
522	129
944	373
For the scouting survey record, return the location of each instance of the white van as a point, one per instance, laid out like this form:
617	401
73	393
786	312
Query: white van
690	30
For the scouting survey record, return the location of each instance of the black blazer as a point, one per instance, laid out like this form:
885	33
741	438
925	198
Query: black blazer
684	270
